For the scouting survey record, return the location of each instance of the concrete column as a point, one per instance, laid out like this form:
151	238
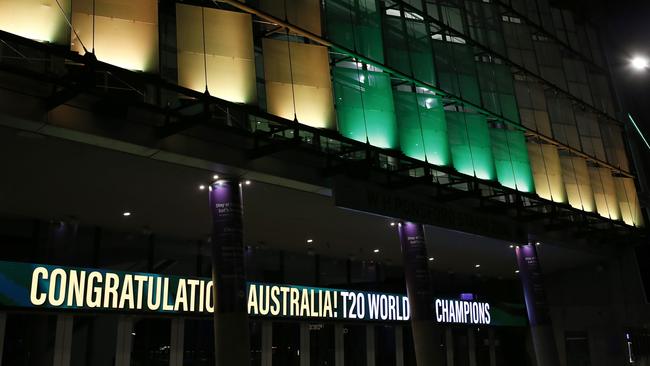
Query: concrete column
267	343
177	342
339	345
3	327
449	346
493	347
539	318
305	356
418	287
399	345
231	334
124	341
63	340
471	344
370	345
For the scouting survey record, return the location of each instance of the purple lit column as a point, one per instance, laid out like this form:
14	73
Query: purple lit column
536	305
232	345
426	336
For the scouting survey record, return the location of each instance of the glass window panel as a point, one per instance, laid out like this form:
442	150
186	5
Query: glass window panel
29	340
286	344
364	102
547	171
422	127
93	340
469	140
298	84
39	20
356	25
228	52
409	48
577	183
303	13
151	341
511	159
602	184
628	201
123	33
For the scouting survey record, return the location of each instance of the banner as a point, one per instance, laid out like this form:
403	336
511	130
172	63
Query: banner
26	285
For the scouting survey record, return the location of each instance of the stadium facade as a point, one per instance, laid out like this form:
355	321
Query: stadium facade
305	182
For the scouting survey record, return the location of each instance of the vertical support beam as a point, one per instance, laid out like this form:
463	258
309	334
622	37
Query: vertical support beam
471	344
399	345
539	317
231	334
3	327
370	345
305	355
339	345
63	340
420	294
267	343
124	341
493	348
449	346
177	342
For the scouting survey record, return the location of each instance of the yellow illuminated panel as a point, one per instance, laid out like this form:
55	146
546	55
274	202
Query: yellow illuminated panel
228	52
303	13
125	32
577	183
298	87
628	201
40	20
547	171
602	184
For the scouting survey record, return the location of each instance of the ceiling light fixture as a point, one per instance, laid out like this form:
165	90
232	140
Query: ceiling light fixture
126	214
201	187
310	241
477	266
430	259
215	177
376	250
248	182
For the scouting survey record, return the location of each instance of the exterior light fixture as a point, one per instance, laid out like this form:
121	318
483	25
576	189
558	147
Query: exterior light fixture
309	241
392	224
248	182
126	214
201	187
215	177
640	63
430	259
538	243
517	271
376	250
511	246
477	266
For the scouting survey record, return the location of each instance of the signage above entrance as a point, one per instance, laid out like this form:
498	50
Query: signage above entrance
26	285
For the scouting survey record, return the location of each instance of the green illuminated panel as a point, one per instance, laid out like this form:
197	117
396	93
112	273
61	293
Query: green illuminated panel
364	105
511	159
356	25
469	140
422	127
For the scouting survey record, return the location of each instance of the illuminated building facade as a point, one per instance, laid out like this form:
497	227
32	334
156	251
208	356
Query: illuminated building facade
488	117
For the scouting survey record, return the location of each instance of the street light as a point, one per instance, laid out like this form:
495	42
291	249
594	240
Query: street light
640	63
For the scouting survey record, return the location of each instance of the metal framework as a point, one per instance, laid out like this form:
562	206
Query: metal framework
57	75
